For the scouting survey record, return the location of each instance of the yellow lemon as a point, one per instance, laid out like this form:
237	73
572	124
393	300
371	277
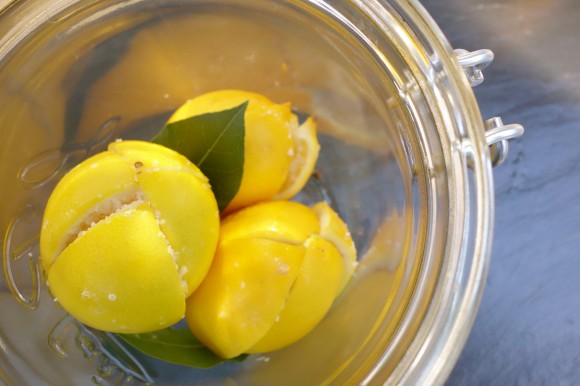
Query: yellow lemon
127	236
280	155
273	279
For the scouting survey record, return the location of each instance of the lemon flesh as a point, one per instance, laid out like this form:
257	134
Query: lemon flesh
334	230
127	236
272	281
279	155
304	156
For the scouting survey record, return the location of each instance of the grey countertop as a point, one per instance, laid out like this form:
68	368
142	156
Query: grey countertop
527	331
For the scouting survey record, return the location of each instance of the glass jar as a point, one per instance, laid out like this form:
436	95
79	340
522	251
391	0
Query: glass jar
404	160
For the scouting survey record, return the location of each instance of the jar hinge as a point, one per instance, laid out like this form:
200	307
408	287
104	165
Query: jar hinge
496	133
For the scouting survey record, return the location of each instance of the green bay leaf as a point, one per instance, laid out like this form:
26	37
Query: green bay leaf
177	346
214	142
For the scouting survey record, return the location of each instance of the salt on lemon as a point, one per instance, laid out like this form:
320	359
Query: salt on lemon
277	270
127	236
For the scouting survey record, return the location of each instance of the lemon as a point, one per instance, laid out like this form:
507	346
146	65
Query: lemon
273	279
127	236
280	154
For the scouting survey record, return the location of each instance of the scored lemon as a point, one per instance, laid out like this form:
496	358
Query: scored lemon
279	154
273	279
127	236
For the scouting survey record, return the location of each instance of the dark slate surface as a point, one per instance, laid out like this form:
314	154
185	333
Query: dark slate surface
527	331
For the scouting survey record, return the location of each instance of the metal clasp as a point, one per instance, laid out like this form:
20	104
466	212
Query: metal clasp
473	62
497	135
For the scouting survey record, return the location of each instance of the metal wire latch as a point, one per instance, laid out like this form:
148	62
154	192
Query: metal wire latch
473	63
496	133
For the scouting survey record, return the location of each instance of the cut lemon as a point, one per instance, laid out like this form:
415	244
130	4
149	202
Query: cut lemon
274	278
127	236
279	155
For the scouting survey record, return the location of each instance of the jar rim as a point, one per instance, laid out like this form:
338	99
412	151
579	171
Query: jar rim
452	310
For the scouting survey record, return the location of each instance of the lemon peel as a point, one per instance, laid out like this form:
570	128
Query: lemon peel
127	235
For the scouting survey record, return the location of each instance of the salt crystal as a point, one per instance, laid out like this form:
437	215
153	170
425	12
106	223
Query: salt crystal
282	268
182	271
170	251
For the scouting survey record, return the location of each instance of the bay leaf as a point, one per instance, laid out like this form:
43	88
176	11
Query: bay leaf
177	346
214	142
